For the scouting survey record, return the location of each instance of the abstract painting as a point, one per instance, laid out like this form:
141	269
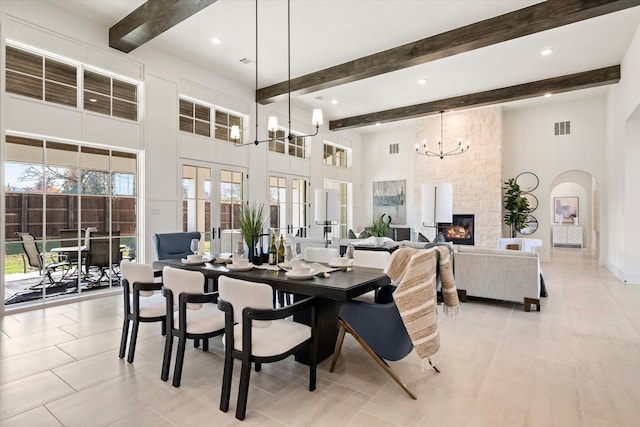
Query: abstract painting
389	198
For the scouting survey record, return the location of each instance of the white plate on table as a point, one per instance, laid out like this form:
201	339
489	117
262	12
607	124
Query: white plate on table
334	265
233	267
194	262
293	275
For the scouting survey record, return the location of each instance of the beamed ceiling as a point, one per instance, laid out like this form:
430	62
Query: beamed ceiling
368	55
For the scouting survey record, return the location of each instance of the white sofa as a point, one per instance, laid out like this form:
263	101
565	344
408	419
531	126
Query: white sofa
498	274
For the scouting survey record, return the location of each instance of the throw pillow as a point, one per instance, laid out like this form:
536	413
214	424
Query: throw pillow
422	238
364	235
440	238
351	234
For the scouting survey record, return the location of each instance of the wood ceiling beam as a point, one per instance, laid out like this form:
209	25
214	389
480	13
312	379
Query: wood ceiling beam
567	83
150	20
540	17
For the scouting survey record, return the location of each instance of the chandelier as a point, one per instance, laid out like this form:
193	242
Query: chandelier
272	123
440	152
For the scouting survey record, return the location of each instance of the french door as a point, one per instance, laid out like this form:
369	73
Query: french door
212	200
288	204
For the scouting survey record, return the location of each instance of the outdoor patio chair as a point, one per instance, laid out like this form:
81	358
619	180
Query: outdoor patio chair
36	259
104	254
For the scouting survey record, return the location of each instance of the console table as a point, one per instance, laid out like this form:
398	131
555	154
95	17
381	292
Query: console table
567	235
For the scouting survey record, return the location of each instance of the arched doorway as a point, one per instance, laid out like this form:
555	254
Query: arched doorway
574	205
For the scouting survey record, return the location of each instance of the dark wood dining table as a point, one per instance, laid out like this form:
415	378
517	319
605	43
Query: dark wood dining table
330	292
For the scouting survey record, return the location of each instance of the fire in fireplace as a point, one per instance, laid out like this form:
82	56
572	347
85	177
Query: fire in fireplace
460	231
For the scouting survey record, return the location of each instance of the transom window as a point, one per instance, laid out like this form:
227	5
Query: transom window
195	117
334	155
36	76
39	76
281	144
107	95
224	121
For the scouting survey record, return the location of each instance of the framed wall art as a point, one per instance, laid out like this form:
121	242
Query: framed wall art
566	209
389	197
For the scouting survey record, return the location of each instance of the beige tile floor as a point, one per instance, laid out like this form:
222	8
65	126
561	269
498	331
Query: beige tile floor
576	363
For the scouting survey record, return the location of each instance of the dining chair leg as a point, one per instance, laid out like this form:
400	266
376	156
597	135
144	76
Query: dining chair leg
133	340
225	394
205	344
258	367
339	341
166	361
313	362
125	335
380	362
243	390
163	327
177	371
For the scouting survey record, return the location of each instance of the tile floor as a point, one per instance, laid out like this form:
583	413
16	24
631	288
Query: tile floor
576	363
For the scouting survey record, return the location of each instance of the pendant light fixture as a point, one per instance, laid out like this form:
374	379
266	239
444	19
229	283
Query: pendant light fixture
459	149
316	116
272	124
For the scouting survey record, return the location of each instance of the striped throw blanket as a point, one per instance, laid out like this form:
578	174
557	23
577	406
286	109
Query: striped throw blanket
416	271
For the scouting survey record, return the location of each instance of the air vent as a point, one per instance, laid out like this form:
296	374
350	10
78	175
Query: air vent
394	148
246	61
562	128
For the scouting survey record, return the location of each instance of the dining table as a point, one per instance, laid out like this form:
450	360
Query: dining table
330	289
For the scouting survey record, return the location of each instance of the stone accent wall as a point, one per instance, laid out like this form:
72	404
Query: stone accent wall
476	175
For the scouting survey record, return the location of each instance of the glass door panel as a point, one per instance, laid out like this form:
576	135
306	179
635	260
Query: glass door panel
230	198
196	202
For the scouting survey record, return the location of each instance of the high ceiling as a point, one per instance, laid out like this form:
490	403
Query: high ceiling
326	33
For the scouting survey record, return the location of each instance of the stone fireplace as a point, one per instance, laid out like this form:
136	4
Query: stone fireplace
460	231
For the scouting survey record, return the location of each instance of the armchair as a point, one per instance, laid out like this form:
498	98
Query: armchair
197	316
141	303
173	245
257	333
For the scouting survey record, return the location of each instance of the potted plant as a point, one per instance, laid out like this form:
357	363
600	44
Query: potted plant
251	223
379	229
516	207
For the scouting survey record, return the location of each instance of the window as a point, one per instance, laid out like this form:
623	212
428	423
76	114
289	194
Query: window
299	204
340	230
52	80
107	95
224	122
33	75
277	202
334	155
52	186
281	144
195	118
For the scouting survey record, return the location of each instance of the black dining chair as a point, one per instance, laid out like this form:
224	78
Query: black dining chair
257	333
142	303
191	314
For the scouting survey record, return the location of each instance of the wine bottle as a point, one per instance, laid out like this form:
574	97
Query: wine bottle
281	250
273	254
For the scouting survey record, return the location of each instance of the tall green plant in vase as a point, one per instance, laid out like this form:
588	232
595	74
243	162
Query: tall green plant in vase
251	224
516	207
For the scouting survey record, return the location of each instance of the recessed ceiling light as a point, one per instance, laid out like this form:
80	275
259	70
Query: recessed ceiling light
378	124
546	52
422	81
547	95
93	100
216	40
334	101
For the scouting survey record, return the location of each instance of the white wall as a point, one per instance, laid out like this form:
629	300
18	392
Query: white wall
530	145
620	246
379	165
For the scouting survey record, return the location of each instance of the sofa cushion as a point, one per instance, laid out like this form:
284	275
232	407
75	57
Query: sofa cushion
489	251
